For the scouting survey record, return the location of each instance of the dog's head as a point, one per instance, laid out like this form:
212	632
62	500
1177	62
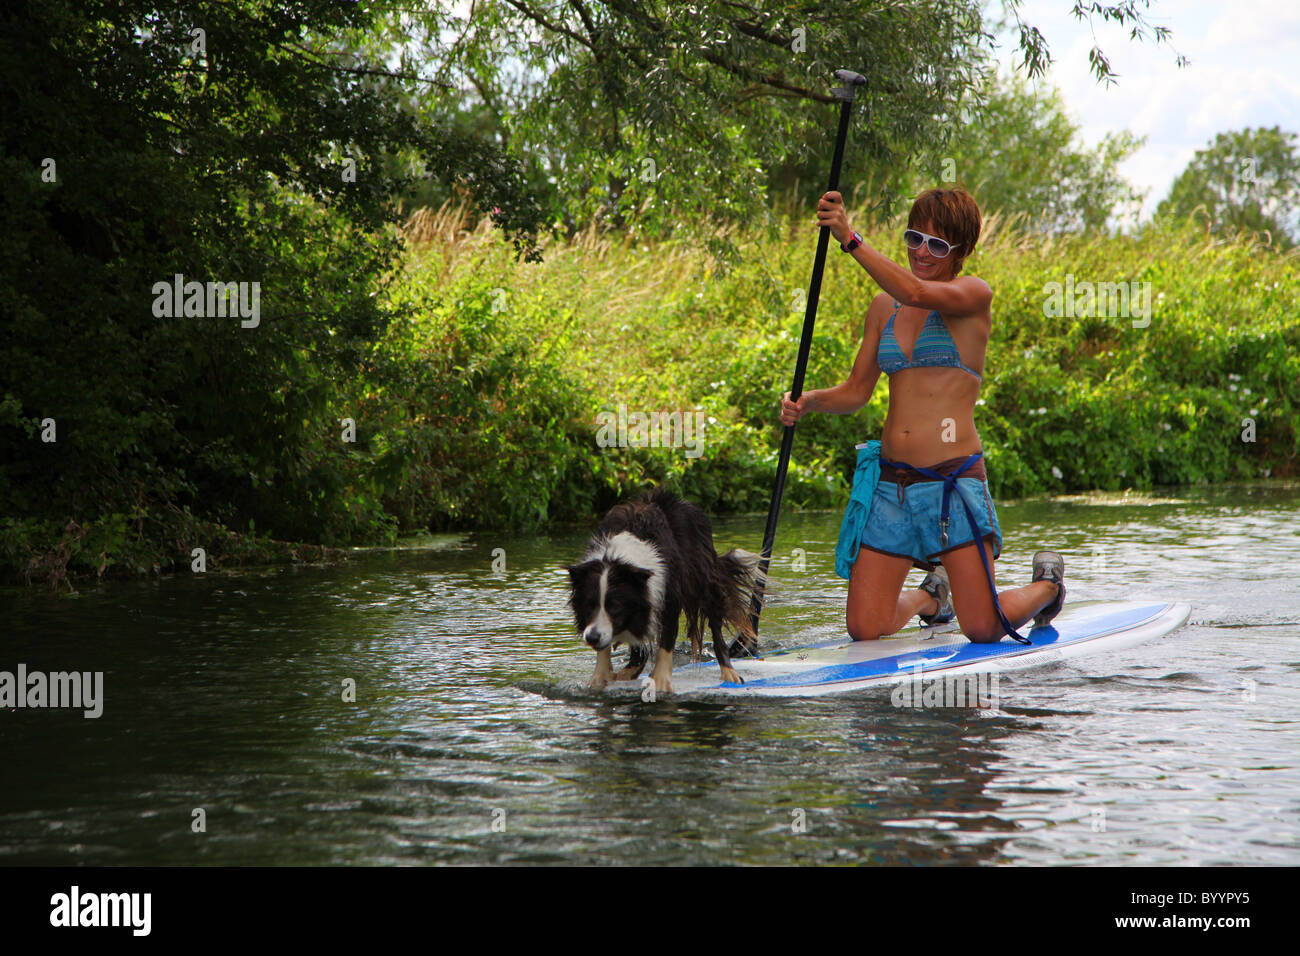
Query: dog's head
611	601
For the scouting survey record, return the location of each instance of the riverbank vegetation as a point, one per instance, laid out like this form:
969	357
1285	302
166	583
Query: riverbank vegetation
1198	380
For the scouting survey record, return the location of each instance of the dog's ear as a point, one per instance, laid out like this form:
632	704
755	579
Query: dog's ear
630	572
578	571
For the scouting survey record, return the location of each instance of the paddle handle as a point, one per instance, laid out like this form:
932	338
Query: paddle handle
800	367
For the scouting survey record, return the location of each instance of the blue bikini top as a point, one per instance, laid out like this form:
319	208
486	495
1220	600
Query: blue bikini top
934	347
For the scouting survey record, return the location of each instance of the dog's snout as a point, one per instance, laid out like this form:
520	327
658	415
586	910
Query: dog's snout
593	636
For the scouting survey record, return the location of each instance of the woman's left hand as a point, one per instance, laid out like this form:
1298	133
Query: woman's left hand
830	212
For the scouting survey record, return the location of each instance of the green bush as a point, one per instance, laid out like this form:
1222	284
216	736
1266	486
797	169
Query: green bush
1069	403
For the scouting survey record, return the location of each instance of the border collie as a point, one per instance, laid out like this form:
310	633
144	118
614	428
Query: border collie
650	560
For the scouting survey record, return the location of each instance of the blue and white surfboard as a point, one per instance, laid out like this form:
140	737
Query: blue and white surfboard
840	666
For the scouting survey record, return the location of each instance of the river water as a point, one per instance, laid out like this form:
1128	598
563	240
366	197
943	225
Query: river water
226	737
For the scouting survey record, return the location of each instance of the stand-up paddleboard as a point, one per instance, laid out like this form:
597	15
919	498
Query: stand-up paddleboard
836	667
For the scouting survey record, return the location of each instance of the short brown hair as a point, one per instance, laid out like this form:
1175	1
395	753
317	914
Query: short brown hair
953	214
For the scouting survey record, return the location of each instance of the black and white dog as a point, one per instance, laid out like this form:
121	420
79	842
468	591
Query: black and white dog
650	560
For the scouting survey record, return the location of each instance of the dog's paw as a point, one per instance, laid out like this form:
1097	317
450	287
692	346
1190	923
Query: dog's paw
599	680
663	685
729	676
627	673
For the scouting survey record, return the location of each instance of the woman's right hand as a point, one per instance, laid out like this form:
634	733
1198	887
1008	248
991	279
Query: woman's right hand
791	412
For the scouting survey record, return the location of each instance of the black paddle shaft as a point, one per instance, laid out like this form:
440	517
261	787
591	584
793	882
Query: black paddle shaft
845	93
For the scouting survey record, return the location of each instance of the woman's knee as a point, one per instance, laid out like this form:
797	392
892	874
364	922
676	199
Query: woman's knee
870	614
863	628
982	630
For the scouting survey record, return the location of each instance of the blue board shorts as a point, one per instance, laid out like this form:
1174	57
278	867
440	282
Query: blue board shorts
904	516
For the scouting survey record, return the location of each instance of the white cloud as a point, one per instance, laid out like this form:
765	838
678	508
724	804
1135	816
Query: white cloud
1261	25
1242	73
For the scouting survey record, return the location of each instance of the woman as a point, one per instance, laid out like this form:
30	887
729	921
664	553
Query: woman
928	332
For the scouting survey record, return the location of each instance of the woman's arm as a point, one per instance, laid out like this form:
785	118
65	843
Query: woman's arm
964	295
854	393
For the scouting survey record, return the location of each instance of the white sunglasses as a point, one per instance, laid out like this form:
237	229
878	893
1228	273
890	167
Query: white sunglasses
939	248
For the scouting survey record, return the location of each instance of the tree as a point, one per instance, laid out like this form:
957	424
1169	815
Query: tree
1023	154
1247	179
240	142
668	116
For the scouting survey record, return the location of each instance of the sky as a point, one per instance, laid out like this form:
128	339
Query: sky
1244	72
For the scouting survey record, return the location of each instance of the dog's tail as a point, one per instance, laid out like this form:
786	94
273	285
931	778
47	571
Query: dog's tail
742	582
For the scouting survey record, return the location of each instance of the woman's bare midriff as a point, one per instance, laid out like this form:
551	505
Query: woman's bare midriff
931	416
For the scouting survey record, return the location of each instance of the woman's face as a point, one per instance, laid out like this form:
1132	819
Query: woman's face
926	266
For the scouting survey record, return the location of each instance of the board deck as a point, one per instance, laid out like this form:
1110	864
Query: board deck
844	665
